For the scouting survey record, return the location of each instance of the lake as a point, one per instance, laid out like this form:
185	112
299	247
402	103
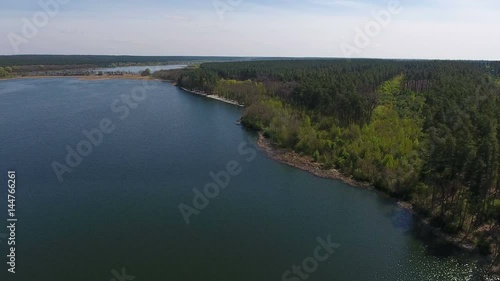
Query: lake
138	69
131	155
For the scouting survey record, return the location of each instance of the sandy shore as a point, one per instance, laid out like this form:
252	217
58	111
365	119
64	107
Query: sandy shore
215	97
305	163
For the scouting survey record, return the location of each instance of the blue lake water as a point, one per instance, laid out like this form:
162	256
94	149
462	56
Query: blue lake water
119	208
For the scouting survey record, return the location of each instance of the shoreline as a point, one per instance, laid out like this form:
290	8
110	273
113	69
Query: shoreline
86	78
124	77
215	97
307	164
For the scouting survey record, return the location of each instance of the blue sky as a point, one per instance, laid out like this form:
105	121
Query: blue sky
445	29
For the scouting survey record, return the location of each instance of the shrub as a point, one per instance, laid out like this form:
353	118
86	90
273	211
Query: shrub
3	72
316	155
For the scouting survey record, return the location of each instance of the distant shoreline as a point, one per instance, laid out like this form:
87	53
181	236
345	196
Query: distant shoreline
89	77
125	77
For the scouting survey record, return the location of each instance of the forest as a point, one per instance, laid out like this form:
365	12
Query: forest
103	60
75	65
425	132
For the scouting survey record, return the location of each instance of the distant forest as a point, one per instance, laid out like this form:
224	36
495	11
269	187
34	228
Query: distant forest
69	65
103	61
427	132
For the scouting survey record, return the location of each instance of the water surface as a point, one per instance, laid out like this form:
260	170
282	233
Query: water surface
119	207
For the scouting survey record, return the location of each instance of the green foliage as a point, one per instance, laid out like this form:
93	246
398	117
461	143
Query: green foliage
388	151
244	92
3	73
170	75
261	113
316	155
495	210
425	131
146	72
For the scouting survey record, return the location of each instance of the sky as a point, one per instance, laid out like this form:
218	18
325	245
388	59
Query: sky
410	29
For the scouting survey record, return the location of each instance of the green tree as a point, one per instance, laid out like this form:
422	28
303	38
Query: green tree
3	72
316	155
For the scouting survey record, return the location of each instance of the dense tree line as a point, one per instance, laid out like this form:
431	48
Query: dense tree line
5	72
424	131
104	61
